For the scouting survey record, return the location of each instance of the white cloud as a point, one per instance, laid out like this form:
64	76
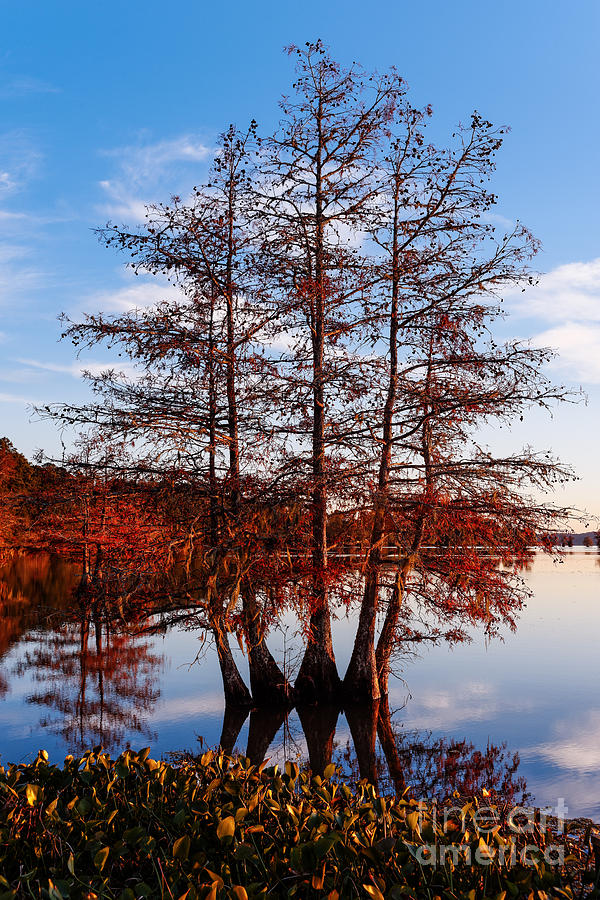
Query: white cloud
24	85
437	709
17	276
148	172
12	398
568	293
578	347
500	221
577	745
76	369
7	216
136	294
19	161
567	299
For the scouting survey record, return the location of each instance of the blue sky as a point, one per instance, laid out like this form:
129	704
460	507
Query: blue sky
106	106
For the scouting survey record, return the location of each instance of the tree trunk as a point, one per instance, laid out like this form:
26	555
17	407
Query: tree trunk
385	644
318	679
236	692
361	681
267	682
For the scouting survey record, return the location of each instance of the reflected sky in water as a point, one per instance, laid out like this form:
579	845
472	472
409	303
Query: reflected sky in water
536	692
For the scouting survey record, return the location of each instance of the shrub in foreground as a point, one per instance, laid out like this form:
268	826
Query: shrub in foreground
219	827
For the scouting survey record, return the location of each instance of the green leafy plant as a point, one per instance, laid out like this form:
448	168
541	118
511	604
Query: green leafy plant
219	827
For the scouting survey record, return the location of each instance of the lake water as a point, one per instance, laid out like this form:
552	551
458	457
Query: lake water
522	712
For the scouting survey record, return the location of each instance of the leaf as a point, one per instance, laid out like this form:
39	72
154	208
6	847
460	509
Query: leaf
33	793
291	769
324	844
53	891
101	857
215	879
181	847
319	880
239	892
71	864
373	891
413	821
329	771
226	828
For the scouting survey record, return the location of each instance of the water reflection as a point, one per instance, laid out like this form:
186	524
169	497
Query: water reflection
97	685
68	680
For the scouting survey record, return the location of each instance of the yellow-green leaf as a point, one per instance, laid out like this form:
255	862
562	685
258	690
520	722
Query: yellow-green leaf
226	828
318	879
413	821
53	891
33	793
101	857
215	879
181	847
373	891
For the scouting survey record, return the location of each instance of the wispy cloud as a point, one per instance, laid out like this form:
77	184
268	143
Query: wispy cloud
18	276
77	368
436	708
576	745
11	217
567	293
147	172
578	347
135	293
13	398
19	161
567	301
23	85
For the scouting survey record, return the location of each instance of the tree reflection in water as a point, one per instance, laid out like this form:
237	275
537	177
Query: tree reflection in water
100	683
96	683
433	767
391	759
33	589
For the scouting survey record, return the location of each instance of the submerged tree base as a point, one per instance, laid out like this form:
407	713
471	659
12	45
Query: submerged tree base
318	680
222	827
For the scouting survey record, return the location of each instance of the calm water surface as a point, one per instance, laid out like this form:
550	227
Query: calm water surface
535	694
